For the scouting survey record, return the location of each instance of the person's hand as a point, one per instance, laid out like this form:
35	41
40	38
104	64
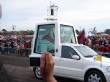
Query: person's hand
47	67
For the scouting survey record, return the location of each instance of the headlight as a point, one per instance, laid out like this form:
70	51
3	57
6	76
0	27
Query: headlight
108	68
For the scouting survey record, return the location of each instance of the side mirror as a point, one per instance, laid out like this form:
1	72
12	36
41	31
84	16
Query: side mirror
75	57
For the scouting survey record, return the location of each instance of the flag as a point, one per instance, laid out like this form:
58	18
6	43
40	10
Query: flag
81	37
98	58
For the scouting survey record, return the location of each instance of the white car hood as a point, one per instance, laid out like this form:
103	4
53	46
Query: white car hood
105	59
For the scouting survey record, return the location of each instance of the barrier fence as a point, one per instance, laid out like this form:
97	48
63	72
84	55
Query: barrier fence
27	51
15	51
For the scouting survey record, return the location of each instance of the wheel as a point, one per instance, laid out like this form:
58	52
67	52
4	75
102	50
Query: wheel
94	76
37	72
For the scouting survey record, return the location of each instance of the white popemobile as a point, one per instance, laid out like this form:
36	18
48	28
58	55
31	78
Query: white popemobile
72	60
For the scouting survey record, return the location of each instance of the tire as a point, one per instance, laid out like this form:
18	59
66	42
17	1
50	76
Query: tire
94	76
37	72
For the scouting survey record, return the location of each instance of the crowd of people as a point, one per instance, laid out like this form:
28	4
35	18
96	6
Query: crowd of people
11	46
22	46
99	43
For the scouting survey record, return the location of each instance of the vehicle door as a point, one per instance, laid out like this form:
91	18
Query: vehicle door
70	63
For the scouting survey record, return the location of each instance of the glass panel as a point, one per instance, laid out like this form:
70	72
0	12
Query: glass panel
68	52
67	34
45	39
86	51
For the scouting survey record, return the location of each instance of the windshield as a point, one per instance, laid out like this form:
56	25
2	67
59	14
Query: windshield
86	51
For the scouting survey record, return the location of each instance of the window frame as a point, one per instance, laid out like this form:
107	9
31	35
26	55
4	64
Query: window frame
71	49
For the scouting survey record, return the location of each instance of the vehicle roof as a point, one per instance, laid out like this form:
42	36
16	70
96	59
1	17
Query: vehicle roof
58	22
71	44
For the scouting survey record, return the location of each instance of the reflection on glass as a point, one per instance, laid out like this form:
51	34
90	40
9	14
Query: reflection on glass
67	34
86	51
45	40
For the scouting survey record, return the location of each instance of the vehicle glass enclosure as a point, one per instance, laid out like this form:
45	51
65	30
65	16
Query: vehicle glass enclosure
45	38
86	51
67	34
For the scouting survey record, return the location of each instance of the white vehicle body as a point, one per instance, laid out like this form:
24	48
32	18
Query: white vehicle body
75	66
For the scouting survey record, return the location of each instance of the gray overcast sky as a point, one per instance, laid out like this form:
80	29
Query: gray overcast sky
81	13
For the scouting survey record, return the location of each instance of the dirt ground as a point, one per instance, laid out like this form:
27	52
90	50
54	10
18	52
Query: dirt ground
15	60
18	68
20	74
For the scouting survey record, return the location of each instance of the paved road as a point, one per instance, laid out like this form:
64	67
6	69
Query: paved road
22	74
19	69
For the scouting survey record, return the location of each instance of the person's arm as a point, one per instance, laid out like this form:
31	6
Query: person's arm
47	67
